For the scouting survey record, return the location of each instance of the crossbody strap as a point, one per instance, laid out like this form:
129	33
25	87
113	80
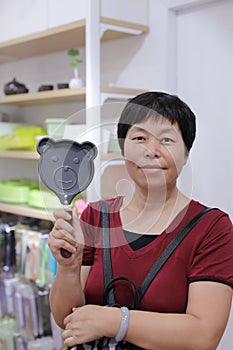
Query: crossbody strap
156	267
106	249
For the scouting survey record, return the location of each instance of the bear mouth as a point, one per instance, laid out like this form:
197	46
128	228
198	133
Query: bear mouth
65	182
65	178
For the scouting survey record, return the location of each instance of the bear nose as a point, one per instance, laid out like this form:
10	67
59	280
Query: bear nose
66	168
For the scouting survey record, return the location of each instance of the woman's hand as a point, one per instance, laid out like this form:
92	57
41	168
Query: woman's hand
91	322
66	234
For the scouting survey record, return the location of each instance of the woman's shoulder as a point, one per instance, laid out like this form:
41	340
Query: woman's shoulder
197	206
215	217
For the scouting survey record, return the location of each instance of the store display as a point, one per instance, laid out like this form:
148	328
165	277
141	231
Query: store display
27	269
8	331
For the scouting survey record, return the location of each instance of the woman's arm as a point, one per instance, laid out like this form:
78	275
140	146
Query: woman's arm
200	328
67	289
67	292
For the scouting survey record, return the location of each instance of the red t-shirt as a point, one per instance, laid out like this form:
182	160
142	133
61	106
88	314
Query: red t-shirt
206	254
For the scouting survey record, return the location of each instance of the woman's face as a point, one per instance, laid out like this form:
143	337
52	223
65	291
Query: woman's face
154	153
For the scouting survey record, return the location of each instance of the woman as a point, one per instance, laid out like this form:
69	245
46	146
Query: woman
187	305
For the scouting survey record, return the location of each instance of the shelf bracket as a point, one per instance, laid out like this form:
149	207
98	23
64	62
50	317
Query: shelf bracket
104	27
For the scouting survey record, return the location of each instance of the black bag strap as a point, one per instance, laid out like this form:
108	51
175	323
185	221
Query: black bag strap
106	249
109	287
156	267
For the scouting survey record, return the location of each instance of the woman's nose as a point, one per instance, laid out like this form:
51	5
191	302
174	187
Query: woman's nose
153	149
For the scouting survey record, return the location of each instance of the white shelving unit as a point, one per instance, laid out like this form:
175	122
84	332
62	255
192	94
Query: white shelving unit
88	32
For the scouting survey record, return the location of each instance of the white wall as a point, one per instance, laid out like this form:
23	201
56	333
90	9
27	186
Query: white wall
205	80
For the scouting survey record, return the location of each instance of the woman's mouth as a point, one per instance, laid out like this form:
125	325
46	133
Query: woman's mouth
152	168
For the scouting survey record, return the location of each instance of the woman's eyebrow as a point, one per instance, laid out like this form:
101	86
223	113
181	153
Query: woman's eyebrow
160	131
137	128
168	129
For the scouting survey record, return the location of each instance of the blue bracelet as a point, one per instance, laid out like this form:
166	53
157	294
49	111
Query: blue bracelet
124	324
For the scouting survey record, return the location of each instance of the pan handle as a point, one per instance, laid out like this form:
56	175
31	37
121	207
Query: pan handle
65	253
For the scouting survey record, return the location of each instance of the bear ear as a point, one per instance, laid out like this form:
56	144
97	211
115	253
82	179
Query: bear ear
44	144
90	148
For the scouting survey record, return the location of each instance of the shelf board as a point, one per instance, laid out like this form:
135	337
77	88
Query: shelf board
52	96
35	155
60	38
26	211
19	154
60	95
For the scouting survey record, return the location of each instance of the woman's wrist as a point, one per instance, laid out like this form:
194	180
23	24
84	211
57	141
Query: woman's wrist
72	270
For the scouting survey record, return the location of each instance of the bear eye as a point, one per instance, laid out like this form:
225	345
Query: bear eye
54	159
76	160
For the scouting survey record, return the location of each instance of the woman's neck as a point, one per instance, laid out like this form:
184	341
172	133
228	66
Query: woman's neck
153	213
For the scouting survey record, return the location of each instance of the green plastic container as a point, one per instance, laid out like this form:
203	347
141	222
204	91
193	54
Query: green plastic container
16	191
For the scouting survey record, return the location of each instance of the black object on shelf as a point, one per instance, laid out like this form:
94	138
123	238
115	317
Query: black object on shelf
14	87
62	85
45	88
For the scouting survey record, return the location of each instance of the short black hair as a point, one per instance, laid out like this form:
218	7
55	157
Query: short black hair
156	104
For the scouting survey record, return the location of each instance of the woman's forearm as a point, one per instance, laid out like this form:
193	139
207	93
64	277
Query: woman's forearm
201	327
170	332
66	293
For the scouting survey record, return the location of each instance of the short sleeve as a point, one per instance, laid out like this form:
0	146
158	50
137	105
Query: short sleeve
213	258
90	222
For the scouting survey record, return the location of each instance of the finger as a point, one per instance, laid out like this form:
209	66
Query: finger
56	243
67	335
77	228
70	342
63	224
67	320
62	214
69	338
63	234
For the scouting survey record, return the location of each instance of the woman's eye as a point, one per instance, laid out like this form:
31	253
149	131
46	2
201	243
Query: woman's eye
139	138
167	140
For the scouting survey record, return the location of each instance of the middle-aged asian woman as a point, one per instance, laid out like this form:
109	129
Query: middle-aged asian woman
187	304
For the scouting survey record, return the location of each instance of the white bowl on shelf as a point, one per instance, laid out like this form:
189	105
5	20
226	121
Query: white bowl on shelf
8	128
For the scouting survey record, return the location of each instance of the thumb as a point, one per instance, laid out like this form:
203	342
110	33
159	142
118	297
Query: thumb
78	233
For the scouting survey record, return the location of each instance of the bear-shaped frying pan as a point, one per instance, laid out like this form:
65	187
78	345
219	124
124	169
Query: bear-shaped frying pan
66	167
